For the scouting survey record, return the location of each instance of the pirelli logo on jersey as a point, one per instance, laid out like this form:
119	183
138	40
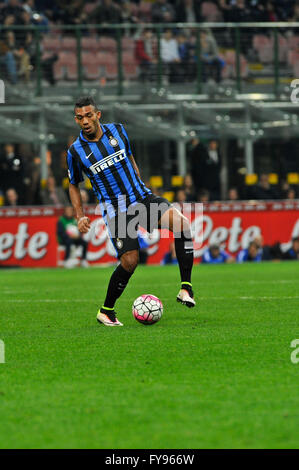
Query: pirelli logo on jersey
108	161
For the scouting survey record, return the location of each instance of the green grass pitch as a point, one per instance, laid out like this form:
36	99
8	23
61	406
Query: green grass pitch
216	376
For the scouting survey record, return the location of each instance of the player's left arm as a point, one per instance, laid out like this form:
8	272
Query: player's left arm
134	165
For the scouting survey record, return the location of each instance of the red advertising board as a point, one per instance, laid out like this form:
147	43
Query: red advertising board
28	234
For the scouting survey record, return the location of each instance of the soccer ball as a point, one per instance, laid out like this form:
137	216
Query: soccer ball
147	309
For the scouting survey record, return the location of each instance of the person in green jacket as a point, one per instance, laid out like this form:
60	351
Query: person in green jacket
68	235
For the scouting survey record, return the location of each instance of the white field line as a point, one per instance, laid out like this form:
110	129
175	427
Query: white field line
199	299
9	291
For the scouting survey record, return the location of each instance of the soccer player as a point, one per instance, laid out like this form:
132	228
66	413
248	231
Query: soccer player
103	153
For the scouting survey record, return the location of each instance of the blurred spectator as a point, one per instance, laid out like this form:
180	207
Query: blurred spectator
7	58
34	175
252	253
59	166
211	62
293	252
203	196
189	188
180	196
284	9
68	235
11	197
234	11
49	8
205	167
36	18
214	255
233	195
30	52
20	43
263	190
291	194
188	11
264	250
188	72
127	16
107	13
53	195
144	54
71	12
294	16
270	12
12	8
170	57
11	170
163	12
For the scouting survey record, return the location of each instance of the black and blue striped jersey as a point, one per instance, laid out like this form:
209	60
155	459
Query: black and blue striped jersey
108	166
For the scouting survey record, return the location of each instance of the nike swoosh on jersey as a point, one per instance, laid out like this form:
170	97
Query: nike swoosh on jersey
87	156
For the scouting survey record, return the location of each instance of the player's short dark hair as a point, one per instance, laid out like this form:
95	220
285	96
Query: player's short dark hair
85	101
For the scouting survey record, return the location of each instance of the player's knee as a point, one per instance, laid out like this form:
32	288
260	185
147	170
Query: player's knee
129	261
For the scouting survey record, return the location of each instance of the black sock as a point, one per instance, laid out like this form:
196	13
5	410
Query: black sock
184	253
117	285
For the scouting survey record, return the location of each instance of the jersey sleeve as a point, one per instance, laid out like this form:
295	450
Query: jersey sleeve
127	142
225	255
74	171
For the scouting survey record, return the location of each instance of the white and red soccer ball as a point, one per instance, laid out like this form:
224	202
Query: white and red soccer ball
147	309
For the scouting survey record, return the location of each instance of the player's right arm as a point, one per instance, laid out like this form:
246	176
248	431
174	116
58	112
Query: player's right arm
75	177
75	196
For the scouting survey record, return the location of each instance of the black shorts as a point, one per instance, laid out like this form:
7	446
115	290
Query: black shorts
123	228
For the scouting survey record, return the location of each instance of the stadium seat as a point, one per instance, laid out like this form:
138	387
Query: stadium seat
210	12
90	44
101	58
283	48
266	54
169	195
293	42
130	65
67	62
128	44
273	178
109	64
250	179
156	181
293	57
265	48
107	44
177	180
296	69
72	71
230	59
51	44
259	41
59	71
91	66
68	44
60	65
293	178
